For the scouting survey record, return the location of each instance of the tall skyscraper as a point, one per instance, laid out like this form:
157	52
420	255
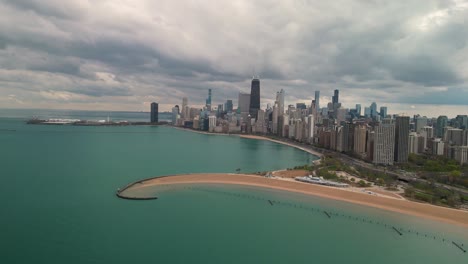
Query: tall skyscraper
348	137
310	125
413	142
461	121
358	109
341	114
280	100
243	103
175	114
184	111
384	143
220	109
184	102
373	110
208	100
360	140
441	123
154	112
335	97
228	106
367	111
419	123
402	129
254	98
274	128
383	112
317	100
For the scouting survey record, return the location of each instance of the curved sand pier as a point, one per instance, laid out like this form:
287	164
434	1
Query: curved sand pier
443	214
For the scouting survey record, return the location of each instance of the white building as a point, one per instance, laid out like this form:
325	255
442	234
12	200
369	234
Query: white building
384	144
211	123
413	142
438	146
280	100
310	125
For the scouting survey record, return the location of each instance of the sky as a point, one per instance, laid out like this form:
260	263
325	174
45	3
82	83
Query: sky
410	55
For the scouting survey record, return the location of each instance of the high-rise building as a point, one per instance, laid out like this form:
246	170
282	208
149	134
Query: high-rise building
335	97
254	98
244	103
228	106
402	124
280	100
220	110
419	123
461	121
339	139
341	114
373	110
175	114
208	100
358	110
274	129
437	147
413	143
384	143
367	111
454	136
310	125
183	112
154	112
317	100
360	140
441	123
301	106
348	137
211	123
383	111
461	154
184	102
429	131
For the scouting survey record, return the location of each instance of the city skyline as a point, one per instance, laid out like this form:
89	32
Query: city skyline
378	136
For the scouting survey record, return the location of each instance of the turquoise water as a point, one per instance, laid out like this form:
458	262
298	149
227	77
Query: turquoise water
58	204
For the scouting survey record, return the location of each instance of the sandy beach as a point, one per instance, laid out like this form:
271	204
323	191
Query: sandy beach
437	213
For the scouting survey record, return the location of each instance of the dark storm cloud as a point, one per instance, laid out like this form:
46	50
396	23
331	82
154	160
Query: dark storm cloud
405	51
451	96
424	70
51	8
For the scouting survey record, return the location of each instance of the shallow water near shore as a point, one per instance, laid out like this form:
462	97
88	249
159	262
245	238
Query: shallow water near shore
59	204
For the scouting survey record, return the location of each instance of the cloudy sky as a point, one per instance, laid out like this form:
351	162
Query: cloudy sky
410	55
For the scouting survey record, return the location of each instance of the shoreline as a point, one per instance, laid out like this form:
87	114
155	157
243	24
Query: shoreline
310	151
432	212
257	137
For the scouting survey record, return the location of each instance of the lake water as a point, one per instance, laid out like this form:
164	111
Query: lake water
59	204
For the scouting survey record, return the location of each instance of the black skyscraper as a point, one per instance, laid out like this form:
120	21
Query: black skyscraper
254	98
228	106
335	97
401	138
154	112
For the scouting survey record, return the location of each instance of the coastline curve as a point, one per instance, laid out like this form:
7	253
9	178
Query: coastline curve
447	215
